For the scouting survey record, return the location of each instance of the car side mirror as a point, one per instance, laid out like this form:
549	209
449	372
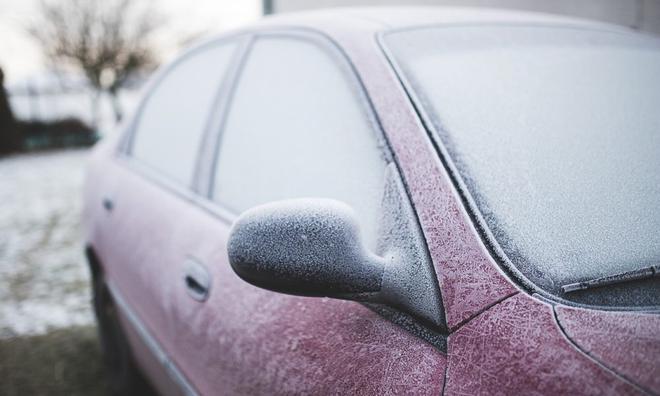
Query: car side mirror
313	247
306	247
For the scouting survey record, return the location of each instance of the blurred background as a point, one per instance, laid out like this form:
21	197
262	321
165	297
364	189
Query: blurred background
70	71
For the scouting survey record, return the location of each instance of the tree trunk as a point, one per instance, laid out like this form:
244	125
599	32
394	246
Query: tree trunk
96	96
116	105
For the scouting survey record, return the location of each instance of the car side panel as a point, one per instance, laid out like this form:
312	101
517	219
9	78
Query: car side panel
136	242
627	342
105	235
518	347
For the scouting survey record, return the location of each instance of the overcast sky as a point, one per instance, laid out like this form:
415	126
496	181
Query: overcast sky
20	57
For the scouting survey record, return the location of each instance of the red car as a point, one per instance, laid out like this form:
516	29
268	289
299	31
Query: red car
412	201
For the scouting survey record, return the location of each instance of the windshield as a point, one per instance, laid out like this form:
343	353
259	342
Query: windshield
555	136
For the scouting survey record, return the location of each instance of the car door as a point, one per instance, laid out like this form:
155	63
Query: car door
154	183
297	124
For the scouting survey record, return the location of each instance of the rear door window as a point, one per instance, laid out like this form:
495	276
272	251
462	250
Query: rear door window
173	118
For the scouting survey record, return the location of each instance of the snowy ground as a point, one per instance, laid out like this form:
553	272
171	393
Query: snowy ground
43	277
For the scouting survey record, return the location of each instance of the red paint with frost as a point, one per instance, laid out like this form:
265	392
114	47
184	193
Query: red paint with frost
628	342
517	347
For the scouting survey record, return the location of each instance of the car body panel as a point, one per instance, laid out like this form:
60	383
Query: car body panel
517	347
627	342
143	247
102	238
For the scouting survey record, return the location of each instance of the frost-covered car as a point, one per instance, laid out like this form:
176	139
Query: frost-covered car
414	201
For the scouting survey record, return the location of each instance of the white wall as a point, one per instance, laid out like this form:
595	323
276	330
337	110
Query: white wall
639	14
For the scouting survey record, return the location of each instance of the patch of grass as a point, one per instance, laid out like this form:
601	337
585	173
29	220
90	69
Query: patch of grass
19	283
76	286
62	362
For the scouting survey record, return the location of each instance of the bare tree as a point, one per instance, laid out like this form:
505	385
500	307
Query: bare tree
108	40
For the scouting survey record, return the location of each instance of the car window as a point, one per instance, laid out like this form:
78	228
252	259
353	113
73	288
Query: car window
555	132
170	126
298	126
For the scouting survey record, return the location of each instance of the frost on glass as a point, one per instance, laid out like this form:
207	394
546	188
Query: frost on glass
170	127
297	128
556	134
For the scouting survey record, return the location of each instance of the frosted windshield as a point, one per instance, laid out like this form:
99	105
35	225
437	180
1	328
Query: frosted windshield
556	136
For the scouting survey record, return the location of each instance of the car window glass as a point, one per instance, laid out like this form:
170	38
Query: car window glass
555	132
298	127
172	121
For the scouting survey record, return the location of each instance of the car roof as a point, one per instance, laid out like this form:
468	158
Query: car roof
375	19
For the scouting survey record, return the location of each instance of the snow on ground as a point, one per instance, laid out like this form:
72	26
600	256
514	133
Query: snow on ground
44	281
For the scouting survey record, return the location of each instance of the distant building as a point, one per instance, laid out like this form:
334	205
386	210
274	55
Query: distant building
638	14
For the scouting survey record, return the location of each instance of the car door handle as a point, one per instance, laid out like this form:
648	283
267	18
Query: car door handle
197	280
108	205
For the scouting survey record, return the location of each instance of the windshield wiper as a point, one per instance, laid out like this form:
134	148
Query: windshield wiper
628	276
